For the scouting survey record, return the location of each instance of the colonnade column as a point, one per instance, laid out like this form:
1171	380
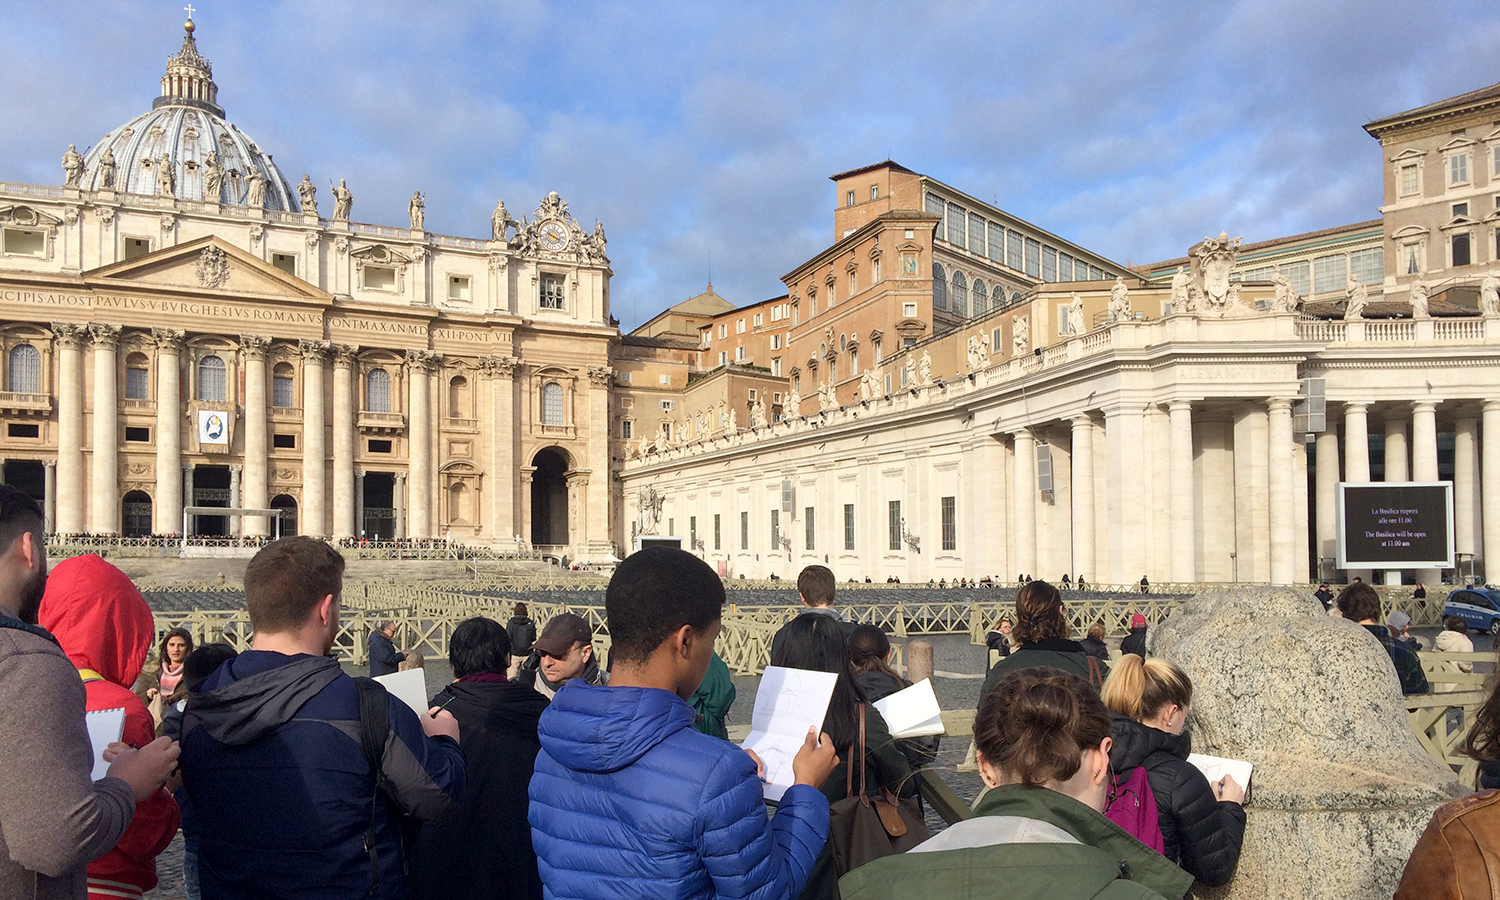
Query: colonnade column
70	507
1124	432
187	493
104	486
1357	455
1424	461
1279	439
359	503
49	498
236	523
503	527
344	523
1395	467
1326	461
419	444
166	508
1180	414
595	516
1082	458
312	520
398	498
1465	485
1023	503
1489	481
256	426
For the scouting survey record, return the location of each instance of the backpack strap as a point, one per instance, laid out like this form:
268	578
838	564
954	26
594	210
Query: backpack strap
374	726
1096	678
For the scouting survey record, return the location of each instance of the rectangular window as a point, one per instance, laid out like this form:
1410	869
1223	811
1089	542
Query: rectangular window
775	342
877	353
997	243
739	327
957	232
950	523
375	446
136	247
810	530
1495	172
1033	258
1409	264
739	354
848	526
137	384
1329	273
137	435
723	357
25	242
552	291
776	367
909	310
1096	273
668	404
1407	182
724	330
22	430
1368	265
937	207
976	233
1049	264
875	270
289	442
1014	248
759	319
849	199
1460	209
286	262
378	278
1458	169
718	543
1460	250
744	530
1297	274
1064	267
1260	273
458	288
775	529
627	429
874	192
893	511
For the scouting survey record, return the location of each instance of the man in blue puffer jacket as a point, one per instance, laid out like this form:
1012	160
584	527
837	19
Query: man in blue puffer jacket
629	800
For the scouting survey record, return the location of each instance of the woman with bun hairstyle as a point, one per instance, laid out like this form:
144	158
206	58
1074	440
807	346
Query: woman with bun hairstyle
1041	638
1042	745
1202	824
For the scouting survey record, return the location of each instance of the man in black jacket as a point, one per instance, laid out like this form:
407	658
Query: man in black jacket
816	588
1135	642
483	848
384	657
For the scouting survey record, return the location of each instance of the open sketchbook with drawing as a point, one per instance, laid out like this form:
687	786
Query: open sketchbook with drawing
1216	767
787	703
106	726
911	712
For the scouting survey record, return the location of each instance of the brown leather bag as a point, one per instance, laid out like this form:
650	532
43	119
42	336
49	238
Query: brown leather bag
862	829
1458	856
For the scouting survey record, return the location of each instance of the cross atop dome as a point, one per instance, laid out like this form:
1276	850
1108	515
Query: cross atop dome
189	80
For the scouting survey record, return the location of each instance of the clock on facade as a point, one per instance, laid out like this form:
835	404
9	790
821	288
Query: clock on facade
554	235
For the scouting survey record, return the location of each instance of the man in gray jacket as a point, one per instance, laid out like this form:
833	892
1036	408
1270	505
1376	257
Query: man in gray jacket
53	819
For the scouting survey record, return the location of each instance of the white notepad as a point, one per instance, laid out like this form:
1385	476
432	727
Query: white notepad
1216	767
106	726
787	703
410	687
912	712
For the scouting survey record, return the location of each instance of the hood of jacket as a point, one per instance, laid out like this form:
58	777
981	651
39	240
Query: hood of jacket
1135	742
257	691
99	618
1453	642
601	729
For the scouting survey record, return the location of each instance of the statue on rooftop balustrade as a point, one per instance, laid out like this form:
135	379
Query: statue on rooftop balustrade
72	164
1489	295
1356	298
1077	324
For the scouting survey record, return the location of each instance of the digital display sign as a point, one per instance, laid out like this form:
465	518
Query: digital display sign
1395	525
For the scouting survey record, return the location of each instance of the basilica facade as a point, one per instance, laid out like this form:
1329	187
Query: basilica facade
181	327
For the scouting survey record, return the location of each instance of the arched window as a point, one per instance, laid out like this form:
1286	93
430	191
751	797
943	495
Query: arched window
378	391
283	385
552	403
25	375
458	397
960	294
981	294
212	384
137	377
1015	296
997	299
939	287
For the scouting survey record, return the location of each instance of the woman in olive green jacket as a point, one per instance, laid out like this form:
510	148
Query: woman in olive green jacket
1042	740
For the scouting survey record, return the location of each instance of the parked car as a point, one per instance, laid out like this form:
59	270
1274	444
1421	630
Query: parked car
1480	607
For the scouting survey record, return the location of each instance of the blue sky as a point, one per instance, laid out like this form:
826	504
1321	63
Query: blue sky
707	130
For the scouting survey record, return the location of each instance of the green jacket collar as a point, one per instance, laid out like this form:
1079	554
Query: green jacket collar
1138	862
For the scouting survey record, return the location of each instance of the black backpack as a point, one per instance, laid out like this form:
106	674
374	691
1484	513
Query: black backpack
374	731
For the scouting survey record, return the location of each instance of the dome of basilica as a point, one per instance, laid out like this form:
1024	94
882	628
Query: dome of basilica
202	151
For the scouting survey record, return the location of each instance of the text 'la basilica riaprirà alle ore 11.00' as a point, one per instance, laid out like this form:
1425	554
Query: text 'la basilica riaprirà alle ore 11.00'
945	390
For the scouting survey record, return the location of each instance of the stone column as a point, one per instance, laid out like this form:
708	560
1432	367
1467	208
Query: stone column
1082	456
1424	462
1489	486
1326	461
1395	466
1124	432
398	498
312	520
344	523
1283	542
1465	483
187	493
503	525
104	484
1180	413
1357	456
166	510
236	526
359	503
70	507
595	518
49	499
419	444
257	495
1023	503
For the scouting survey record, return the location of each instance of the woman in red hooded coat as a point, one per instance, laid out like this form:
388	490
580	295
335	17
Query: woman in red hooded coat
106	629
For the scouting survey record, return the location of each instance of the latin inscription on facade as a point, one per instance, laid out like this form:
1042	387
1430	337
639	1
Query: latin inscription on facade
155	305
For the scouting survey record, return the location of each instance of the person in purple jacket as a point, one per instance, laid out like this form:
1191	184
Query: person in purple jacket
629	800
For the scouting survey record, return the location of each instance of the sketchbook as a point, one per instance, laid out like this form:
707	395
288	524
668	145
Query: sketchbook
106	726
410	687
912	712
787	703
1216	767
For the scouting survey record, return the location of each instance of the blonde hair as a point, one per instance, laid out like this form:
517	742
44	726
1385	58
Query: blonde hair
1140	688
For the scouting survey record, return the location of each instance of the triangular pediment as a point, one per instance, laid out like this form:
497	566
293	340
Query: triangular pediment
207	265
1458	143
1410	153
1459	222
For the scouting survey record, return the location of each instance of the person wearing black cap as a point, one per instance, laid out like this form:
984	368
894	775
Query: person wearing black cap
564	651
